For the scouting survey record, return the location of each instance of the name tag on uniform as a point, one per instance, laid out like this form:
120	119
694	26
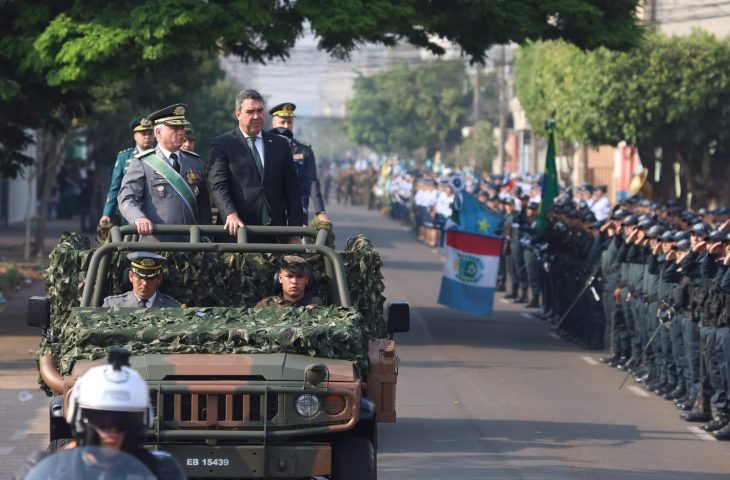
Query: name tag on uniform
298	156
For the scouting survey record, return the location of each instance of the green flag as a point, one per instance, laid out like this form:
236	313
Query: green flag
550	186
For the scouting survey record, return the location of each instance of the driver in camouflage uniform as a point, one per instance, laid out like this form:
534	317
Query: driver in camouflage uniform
294	276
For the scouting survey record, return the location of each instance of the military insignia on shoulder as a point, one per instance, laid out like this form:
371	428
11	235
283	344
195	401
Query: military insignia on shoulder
126	150
299	156
145	153
190	153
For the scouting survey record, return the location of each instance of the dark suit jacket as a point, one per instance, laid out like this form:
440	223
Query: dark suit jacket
236	186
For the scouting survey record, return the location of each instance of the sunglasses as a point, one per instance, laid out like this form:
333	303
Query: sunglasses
108	420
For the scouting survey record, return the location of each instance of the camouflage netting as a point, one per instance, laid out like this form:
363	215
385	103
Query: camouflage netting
220	280
332	332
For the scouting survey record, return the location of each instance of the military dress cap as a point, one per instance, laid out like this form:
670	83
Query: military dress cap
294	264
146	264
140	124
285	110
174	115
189	133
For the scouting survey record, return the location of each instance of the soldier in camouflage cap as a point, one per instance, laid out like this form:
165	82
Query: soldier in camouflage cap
145	276
294	276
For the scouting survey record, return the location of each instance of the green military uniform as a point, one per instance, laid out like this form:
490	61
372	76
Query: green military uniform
120	167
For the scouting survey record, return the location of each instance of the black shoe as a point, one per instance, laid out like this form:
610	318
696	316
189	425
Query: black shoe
616	362
697	415
664	388
723	433
608	360
720	421
676	393
534	303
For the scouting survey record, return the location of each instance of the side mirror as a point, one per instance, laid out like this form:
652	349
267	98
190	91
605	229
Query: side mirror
398	317
39	312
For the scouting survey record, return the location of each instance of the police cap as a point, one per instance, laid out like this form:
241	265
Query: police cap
146	264
684	244
667	236
630	220
294	264
646	223
680	235
140	124
620	214
173	116
655	231
700	228
716	236
285	110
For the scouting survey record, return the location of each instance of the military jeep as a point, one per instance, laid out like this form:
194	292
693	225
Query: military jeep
286	411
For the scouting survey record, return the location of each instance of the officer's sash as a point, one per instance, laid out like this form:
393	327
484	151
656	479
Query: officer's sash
174	179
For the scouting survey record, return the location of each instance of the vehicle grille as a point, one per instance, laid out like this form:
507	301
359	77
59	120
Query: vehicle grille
190	410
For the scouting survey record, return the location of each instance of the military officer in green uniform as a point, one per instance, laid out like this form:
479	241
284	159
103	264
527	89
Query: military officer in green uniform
165	185
144	137
282	118
294	276
145	275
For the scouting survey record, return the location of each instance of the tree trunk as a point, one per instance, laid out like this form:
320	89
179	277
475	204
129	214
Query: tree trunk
49	159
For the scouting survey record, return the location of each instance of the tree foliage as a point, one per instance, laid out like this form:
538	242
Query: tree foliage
403	110
669	95
53	55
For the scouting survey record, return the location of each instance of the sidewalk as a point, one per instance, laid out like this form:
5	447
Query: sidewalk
12	239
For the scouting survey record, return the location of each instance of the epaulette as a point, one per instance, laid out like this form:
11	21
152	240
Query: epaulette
189	152
125	150
117	296
302	143
145	153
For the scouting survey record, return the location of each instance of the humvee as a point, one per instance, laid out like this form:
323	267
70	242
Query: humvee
264	415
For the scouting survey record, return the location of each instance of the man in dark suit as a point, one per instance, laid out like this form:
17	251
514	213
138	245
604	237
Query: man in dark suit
252	176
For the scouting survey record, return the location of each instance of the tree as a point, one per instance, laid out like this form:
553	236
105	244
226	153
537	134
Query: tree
410	112
54	53
478	149
667	96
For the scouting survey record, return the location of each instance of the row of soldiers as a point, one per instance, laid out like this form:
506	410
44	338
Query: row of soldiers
652	283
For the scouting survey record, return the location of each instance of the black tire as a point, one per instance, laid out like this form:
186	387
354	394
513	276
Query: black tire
354	458
57	445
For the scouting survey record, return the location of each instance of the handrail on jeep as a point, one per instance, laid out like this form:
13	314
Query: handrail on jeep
101	259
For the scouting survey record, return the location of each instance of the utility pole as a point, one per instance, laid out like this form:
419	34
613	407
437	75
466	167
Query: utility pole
501	166
475	94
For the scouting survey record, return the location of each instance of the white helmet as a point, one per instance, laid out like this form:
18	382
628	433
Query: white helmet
111	394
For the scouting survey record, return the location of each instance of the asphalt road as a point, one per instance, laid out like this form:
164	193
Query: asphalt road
501	397
478	397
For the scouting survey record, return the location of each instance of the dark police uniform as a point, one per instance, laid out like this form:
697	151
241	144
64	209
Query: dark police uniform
304	161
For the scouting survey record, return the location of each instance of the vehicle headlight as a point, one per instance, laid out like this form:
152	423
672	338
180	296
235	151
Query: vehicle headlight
307	405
